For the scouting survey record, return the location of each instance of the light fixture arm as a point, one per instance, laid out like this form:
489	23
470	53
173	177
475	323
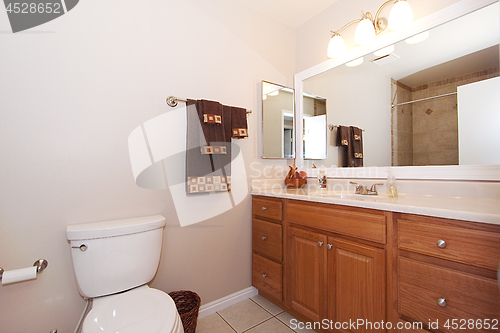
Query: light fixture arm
345	26
379	23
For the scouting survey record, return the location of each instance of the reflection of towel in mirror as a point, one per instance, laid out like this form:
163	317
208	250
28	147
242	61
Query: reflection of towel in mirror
343	135
357	146
208	153
351	140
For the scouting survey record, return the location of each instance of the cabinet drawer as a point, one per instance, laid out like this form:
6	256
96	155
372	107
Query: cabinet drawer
267	276
468	246
267	239
466	296
271	209
356	222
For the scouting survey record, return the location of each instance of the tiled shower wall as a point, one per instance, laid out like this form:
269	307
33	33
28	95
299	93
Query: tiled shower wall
426	133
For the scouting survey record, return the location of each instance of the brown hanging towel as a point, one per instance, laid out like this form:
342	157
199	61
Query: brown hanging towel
357	146
239	123
208	151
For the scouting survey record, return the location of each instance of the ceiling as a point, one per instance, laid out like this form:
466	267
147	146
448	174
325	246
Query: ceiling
292	13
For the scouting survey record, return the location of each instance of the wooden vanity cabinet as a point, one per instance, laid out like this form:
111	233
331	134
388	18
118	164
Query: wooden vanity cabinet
267	246
332	276
340	263
356	282
447	273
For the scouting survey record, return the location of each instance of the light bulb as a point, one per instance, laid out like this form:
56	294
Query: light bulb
400	16
385	51
336	47
365	32
355	62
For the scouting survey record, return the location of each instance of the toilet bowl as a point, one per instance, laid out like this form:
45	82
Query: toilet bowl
142	309
113	261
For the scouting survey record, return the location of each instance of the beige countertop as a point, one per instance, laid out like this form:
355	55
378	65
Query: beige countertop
486	210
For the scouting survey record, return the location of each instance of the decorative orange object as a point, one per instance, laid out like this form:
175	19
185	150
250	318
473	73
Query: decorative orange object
295	182
295	179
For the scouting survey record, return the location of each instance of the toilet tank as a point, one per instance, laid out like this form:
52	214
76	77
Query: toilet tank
113	256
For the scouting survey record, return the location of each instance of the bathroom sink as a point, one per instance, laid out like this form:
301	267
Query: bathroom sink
359	197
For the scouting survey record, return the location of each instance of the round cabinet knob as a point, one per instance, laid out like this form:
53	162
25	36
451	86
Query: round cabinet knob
264	238
264	208
264	276
329	246
320	244
441	302
441	243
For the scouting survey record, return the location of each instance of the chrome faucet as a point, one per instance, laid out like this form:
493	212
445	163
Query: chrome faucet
361	189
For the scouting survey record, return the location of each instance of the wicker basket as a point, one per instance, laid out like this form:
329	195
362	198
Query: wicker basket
188	304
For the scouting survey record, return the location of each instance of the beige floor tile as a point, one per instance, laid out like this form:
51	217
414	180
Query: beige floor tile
291	322
244	315
213	324
272	325
268	306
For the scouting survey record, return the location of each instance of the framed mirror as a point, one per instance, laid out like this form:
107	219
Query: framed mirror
278	121
362	96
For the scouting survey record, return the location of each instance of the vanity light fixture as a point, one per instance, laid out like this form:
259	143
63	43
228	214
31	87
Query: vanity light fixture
368	27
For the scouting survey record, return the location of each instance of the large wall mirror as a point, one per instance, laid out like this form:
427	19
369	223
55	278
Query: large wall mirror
278	130
421	103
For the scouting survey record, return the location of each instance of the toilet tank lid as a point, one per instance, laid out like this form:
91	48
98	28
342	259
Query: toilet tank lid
114	227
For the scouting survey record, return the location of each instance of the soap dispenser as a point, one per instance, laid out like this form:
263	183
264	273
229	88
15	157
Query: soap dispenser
392	190
322	179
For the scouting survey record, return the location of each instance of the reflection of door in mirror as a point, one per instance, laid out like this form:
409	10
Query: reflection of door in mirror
314	127
277	121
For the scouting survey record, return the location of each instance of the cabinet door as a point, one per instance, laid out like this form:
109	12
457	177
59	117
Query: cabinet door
356	284
308	269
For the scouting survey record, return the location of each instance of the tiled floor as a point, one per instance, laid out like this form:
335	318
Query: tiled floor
254	315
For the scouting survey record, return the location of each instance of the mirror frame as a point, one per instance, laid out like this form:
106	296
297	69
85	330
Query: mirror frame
452	172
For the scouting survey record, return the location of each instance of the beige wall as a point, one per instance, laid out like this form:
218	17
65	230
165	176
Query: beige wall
72	90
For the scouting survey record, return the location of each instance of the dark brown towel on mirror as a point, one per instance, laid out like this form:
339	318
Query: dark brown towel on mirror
343	138
357	146
207	173
239	124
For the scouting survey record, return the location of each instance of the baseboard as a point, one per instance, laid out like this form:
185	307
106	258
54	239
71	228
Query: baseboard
224	302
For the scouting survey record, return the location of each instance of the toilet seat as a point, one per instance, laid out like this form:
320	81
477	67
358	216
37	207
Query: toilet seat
142	309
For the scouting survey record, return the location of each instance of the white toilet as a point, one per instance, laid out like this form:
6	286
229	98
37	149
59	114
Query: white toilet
113	261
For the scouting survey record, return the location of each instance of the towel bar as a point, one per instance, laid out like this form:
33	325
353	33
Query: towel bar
172	101
331	127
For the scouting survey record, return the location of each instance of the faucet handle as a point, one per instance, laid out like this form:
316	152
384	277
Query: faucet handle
360	189
374	187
